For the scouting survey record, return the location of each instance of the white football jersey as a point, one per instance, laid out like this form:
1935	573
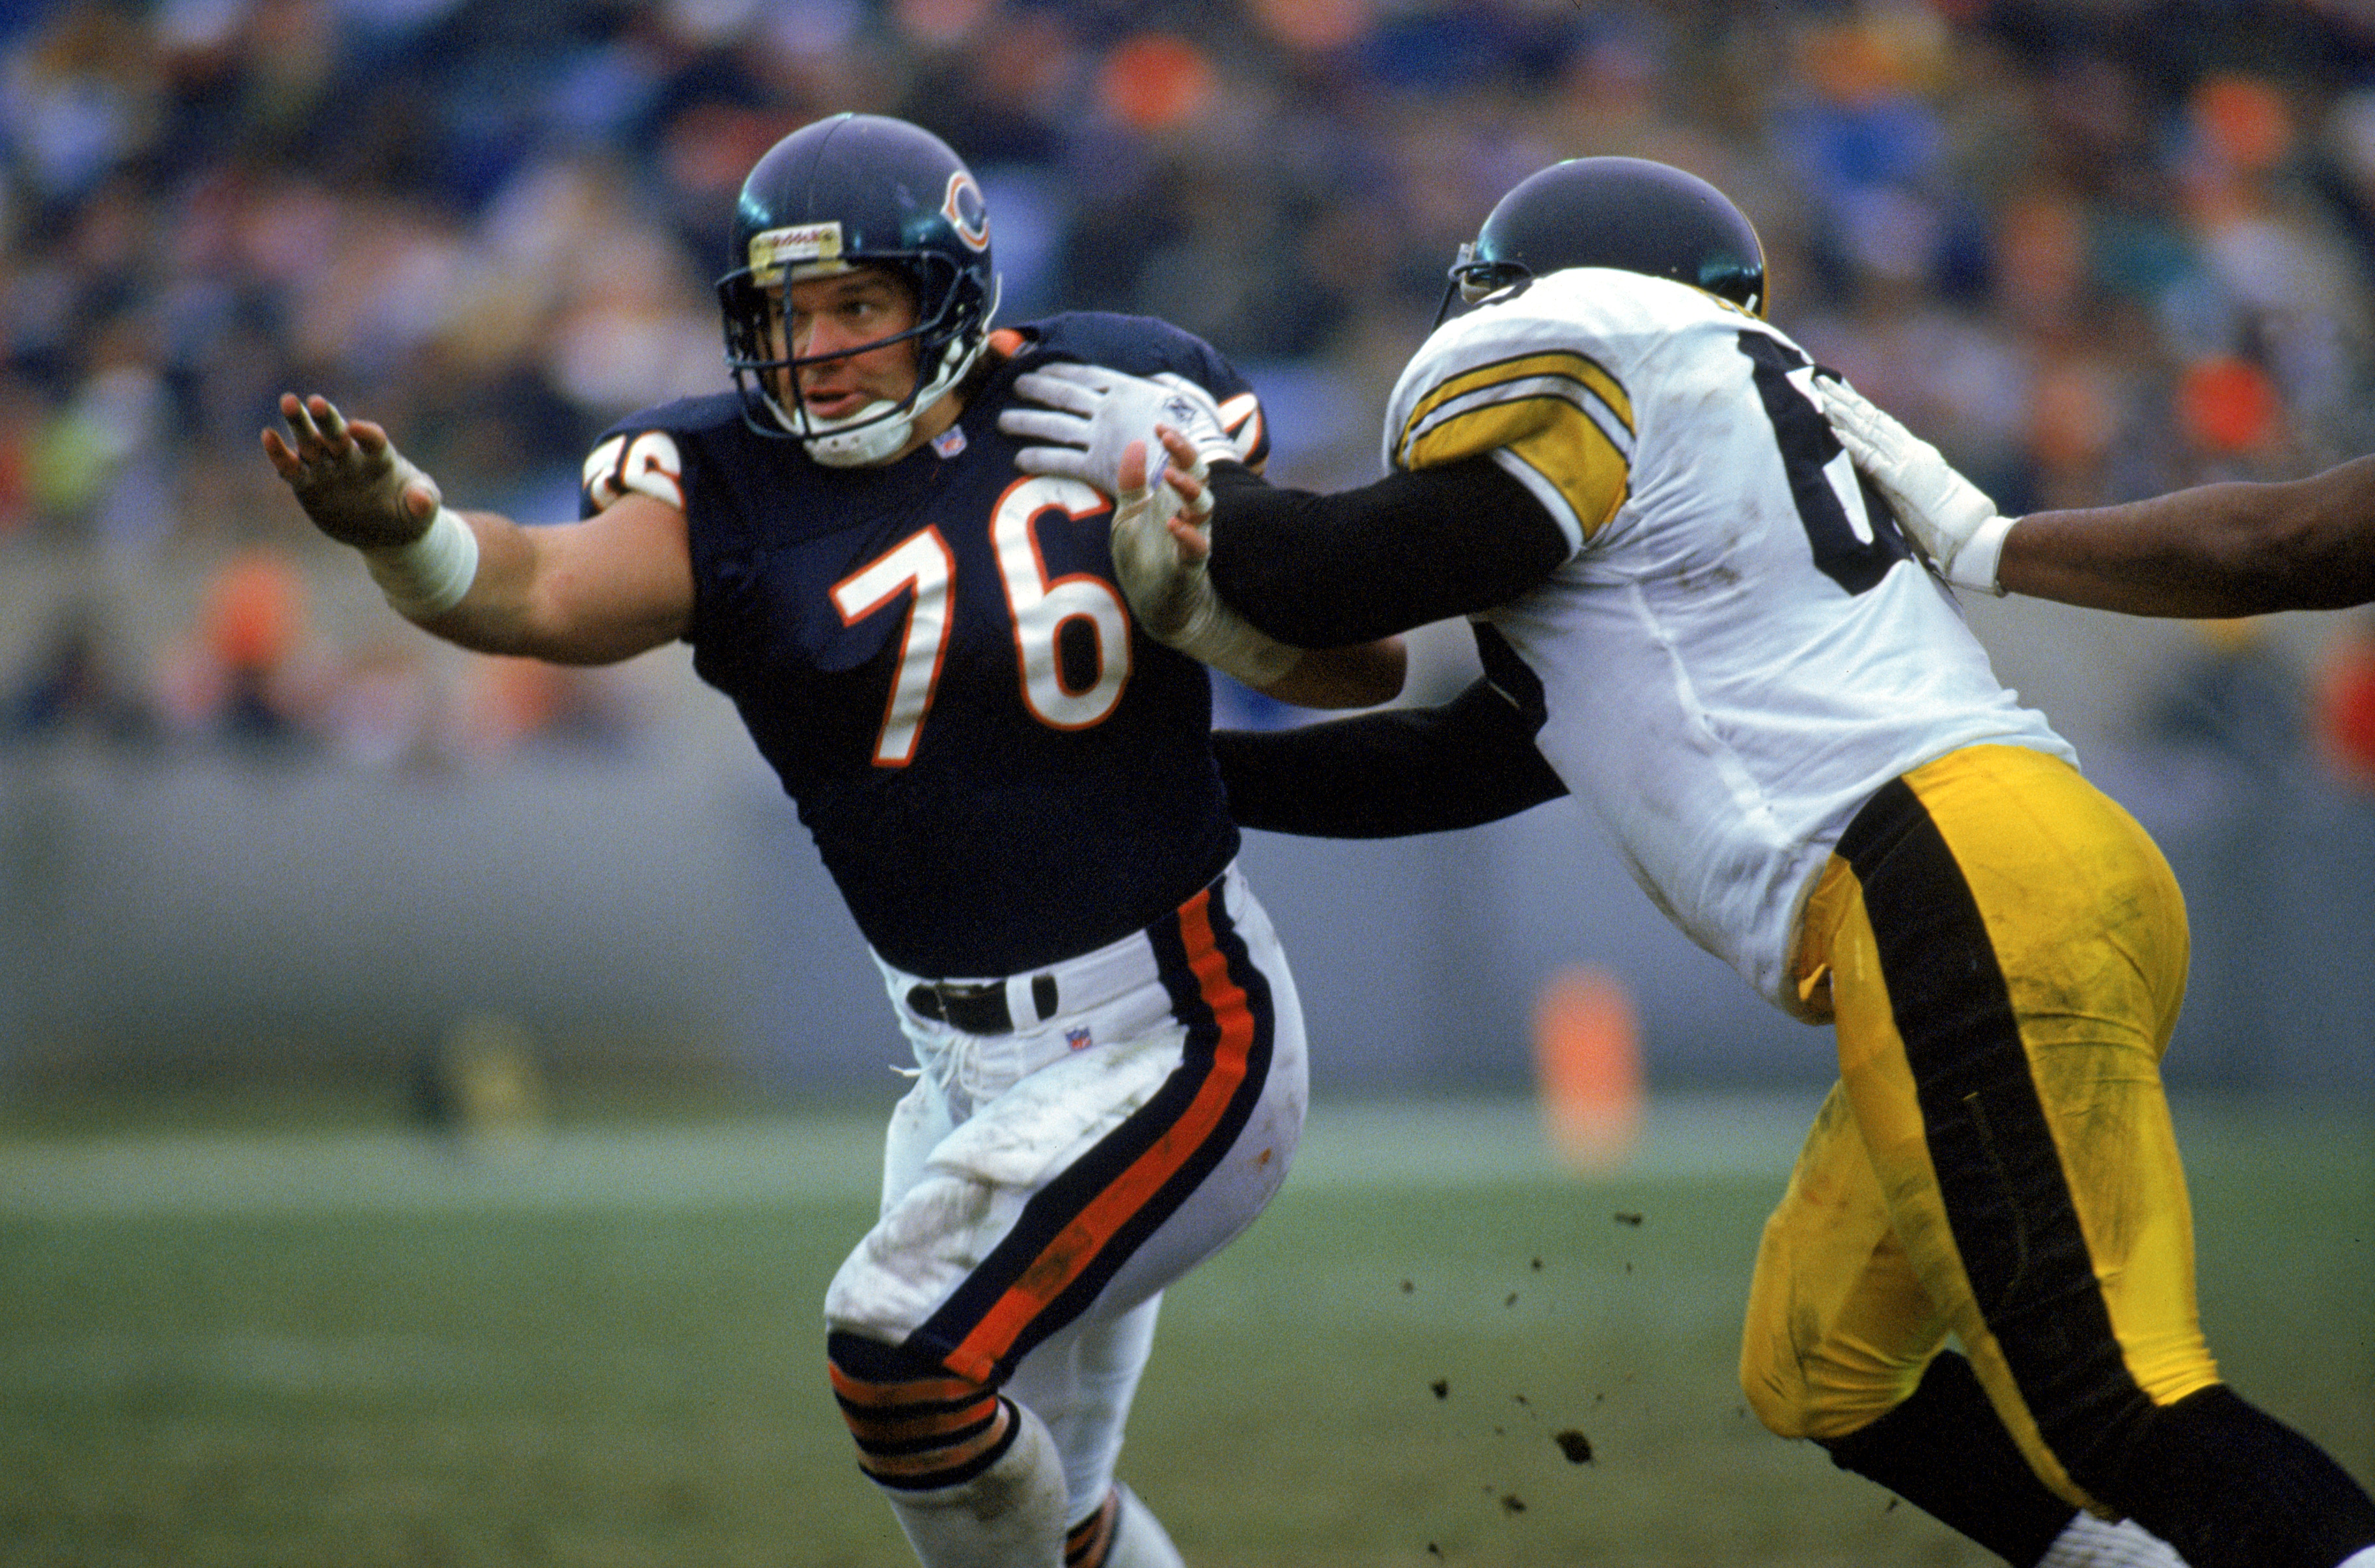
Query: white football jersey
1733	658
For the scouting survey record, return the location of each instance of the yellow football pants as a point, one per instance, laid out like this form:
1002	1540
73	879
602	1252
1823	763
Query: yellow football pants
2005	952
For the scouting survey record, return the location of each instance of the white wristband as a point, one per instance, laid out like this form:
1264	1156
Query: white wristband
430	575
1976	562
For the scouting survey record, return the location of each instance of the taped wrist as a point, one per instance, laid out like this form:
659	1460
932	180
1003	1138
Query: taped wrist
1976	563
428	576
1219	636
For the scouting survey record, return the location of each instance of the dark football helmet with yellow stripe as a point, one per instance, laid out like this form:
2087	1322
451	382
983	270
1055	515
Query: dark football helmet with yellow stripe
1628	213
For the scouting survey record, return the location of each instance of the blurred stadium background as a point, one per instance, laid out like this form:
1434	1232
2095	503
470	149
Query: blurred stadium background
279	876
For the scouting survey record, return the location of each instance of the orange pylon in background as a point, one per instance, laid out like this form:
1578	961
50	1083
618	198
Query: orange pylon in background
1588	1067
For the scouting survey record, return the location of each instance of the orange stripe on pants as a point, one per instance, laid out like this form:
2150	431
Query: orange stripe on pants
1077	1246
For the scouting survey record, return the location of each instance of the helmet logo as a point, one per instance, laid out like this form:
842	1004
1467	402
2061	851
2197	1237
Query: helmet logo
800	247
966	212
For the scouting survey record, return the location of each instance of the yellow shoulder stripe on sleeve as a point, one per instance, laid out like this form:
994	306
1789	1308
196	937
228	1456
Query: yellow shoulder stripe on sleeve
1559	413
1553	372
1579	462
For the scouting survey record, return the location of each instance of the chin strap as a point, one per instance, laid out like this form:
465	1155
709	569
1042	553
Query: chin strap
873	433
877	432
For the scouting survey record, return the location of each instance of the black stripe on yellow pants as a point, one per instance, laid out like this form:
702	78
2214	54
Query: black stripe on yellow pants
2007	953
2008	1203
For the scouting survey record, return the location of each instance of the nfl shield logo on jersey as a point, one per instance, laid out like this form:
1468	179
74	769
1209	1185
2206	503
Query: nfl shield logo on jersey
1078	1039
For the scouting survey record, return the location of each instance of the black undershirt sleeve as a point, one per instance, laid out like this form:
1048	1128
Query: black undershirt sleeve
1392	773
1414	547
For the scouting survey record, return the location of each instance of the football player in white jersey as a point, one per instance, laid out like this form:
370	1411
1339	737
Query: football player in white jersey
1698	617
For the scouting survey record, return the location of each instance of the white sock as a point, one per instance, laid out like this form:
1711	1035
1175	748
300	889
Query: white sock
1011	1516
1139	1540
2089	1542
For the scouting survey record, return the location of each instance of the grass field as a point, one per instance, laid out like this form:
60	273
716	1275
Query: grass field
348	1345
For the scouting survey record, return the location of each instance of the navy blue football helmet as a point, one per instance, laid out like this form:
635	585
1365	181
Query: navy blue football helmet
1627	213
852	191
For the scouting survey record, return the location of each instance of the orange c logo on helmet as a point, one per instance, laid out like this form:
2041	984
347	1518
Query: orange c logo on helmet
966	212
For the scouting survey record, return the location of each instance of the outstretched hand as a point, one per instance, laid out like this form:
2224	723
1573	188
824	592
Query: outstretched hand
349	479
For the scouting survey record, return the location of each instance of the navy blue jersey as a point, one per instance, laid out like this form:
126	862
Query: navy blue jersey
999	768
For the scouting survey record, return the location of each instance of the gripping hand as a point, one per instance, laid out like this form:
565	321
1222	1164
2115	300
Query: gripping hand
1162	576
1092	415
1949	516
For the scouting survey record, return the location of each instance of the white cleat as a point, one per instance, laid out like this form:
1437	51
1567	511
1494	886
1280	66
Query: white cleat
2089	1542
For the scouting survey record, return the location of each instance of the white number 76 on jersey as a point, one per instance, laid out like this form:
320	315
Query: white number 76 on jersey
922	565
922	568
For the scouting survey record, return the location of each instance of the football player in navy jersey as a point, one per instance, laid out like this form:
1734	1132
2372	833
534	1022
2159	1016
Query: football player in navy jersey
1010	782
1694	615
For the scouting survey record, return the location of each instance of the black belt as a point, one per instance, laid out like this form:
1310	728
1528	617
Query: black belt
978	1008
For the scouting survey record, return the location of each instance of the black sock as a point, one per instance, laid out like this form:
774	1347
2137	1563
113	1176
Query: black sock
1946	1451
2230	1486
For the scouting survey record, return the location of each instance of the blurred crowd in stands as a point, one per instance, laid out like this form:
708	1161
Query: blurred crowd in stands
2093	248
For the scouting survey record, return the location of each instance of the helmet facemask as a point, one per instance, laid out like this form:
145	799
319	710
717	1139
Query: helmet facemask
1472	281
950	330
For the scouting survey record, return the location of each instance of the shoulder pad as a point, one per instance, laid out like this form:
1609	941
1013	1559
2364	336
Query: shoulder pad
1545	336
